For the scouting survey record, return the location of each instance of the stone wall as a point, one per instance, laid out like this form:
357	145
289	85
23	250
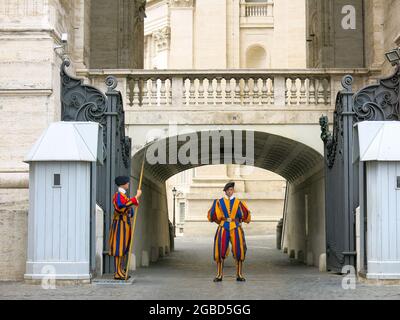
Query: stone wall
152	239
382	32
304	228
29	102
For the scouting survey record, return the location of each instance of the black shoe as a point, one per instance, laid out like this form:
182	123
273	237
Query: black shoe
217	279
240	279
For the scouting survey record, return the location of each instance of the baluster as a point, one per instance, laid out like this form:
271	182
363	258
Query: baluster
201	98
264	92
210	92
246	92
321	92
271	91
238	97
228	92
328	92
286	92
303	96
129	92
293	92
192	96
154	90
163	90
168	92
256	92
185	92
219	91
311	90
145	94
136	93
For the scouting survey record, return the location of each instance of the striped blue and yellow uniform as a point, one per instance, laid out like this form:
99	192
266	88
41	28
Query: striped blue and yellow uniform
120	230
229	214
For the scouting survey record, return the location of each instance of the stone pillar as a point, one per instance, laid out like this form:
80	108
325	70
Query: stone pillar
81	33
233	38
138	34
117	34
181	13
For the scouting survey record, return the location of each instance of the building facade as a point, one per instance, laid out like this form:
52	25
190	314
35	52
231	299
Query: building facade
103	34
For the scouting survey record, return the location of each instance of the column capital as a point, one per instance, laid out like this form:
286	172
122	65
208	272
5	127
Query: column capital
162	38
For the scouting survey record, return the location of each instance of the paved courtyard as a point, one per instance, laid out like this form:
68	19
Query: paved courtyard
188	274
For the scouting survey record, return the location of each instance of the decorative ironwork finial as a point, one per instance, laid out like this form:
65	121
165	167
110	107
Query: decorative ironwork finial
111	83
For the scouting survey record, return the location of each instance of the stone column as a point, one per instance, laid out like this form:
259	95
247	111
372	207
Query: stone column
138	34
117	34
181	13
81	34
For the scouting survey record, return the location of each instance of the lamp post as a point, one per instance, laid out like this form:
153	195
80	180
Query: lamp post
174	192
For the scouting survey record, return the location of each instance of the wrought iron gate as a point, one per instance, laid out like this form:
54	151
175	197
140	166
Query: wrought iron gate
379	102
80	102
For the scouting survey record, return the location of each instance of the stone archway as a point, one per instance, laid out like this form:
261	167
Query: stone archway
300	165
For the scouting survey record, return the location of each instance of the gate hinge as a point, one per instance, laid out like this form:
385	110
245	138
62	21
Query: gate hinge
112	114
351	253
348	113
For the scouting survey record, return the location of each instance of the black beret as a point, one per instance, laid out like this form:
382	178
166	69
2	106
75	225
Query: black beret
229	185
120	181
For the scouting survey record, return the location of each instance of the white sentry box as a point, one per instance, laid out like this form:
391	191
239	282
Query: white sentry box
60	201
379	149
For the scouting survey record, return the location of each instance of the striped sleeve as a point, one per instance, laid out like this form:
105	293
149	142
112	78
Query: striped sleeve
212	213
121	202
246	218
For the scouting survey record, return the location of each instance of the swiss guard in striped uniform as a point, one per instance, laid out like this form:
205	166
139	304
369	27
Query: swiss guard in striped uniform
120	230
229	213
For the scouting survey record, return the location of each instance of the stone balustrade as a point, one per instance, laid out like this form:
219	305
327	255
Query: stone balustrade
256	9
174	89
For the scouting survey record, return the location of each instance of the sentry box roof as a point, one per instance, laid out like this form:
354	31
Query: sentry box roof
379	140
68	141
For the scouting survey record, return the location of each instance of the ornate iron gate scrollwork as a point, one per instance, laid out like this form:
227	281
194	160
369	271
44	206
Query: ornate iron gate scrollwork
378	102
80	102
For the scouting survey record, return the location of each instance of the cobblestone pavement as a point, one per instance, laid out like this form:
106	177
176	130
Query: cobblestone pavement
188	273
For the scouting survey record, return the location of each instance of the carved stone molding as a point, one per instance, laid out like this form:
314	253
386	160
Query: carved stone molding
162	38
181	3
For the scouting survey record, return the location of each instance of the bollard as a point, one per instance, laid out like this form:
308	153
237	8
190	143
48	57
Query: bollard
279	228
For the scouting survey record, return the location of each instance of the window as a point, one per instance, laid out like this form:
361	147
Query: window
57	180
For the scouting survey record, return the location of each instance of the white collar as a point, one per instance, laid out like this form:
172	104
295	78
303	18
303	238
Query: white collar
231	198
122	190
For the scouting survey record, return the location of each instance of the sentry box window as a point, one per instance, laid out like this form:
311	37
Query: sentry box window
57	180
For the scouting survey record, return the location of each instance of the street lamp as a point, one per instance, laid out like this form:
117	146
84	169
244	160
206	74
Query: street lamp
174	192
393	56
